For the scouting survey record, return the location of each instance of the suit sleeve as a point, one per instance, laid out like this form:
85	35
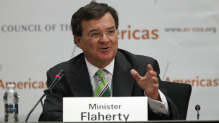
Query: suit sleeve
173	113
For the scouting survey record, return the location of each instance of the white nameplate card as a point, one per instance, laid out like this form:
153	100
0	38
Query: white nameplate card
105	109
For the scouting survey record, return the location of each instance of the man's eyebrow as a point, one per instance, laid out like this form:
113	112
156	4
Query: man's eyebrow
112	27
94	30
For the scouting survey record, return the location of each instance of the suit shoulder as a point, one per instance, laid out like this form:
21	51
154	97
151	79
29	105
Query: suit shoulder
64	65
139	62
137	59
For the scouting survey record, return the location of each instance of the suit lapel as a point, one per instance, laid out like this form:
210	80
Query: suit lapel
122	80
78	78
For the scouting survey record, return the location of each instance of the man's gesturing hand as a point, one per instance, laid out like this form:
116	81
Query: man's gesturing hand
148	82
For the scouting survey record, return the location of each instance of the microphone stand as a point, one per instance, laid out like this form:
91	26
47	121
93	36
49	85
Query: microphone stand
46	92
35	106
197	108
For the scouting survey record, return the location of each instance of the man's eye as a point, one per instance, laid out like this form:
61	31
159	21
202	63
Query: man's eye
111	31
95	34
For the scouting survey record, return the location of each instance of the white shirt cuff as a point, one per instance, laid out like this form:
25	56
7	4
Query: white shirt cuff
159	106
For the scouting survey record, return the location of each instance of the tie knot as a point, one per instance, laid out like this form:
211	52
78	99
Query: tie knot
100	73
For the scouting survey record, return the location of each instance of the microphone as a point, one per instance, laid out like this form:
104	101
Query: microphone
197	108
47	91
55	82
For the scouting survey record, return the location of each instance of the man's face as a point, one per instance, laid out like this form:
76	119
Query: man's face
99	49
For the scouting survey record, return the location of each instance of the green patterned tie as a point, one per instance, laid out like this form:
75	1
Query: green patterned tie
102	88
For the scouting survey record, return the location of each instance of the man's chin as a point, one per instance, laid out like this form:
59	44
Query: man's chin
106	58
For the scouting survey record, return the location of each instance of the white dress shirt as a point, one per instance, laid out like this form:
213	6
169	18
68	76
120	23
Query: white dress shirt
156	106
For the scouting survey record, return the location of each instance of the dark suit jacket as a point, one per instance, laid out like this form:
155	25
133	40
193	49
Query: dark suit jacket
76	83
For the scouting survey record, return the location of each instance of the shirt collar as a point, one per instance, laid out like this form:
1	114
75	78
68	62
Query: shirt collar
93	69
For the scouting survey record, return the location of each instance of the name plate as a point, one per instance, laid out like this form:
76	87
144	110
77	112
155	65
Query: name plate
108	109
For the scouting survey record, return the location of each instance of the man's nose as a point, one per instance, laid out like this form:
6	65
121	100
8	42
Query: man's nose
104	38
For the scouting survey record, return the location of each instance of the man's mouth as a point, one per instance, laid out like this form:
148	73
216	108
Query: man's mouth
105	48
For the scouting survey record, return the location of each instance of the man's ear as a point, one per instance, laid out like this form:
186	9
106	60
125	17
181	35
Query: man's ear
77	40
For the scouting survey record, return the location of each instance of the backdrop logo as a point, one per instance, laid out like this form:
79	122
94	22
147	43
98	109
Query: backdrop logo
138	34
197	82
200	29
29	84
128	33
11	28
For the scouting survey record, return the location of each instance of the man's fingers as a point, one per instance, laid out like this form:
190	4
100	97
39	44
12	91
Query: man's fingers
152	73
149	67
155	80
135	74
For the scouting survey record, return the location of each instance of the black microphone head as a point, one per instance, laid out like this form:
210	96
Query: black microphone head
197	107
60	72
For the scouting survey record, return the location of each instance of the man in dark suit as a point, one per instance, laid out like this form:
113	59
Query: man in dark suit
95	30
